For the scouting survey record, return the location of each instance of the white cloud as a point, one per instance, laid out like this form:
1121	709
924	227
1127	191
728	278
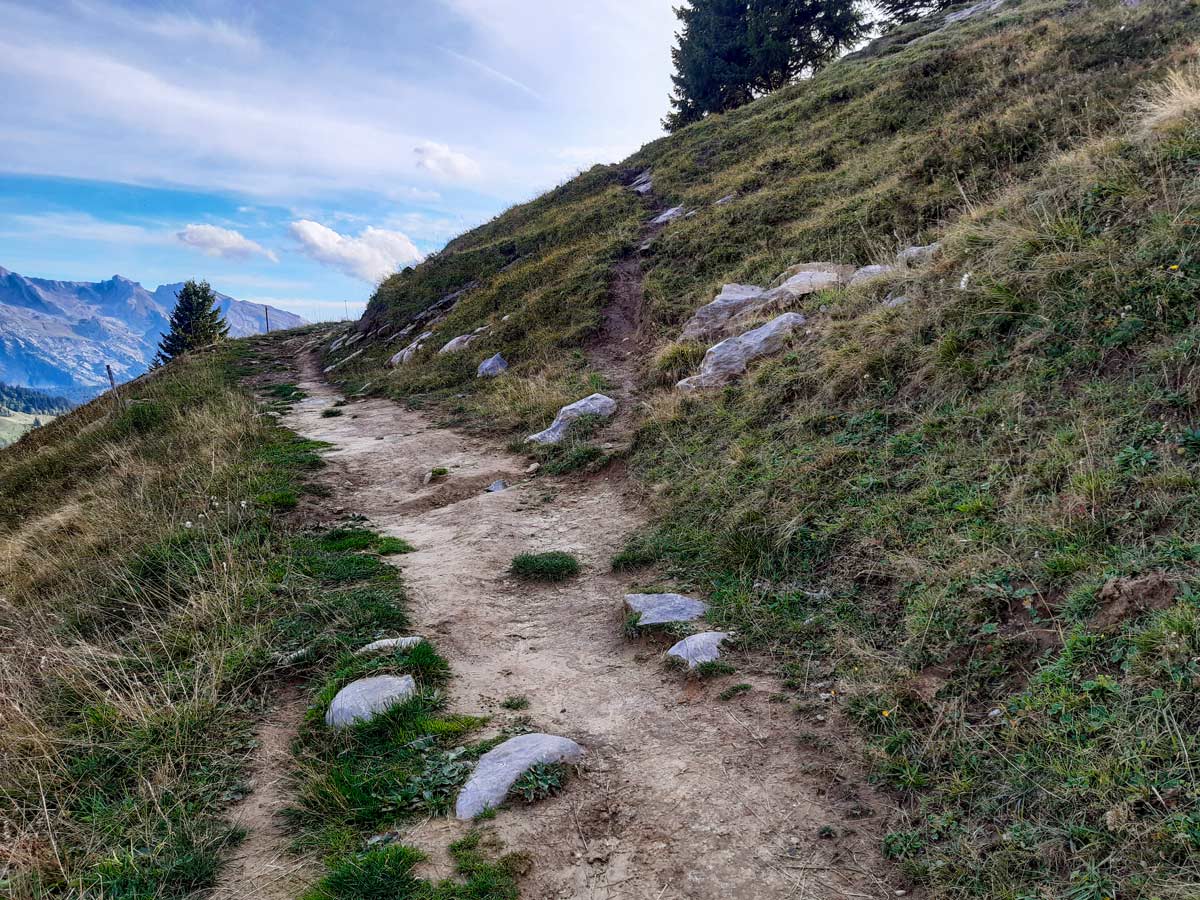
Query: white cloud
443	162
173	27
215	241
372	256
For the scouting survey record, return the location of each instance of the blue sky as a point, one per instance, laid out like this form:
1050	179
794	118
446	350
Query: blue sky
294	152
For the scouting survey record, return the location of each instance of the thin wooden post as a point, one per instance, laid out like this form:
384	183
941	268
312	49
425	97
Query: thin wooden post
267	314
118	403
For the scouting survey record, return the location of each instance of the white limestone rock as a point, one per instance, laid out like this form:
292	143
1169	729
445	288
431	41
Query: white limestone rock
362	700
492	366
915	257
499	769
410	351
869	273
673	213
728	198
593	405
710	320
727	360
699	648
808	278
664	609
462	342
387	645
347	359
643	184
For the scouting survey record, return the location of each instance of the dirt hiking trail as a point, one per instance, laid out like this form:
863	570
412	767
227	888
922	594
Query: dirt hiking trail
681	794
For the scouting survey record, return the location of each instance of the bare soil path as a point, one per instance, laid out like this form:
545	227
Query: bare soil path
682	794
261	868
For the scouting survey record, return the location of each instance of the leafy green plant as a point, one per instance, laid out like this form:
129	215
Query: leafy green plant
541	780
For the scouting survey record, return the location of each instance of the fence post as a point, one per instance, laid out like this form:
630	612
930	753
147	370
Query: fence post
118	403
267	314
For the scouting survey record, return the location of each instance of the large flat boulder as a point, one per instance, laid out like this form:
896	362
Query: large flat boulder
699	648
808	278
664	609
869	273
710	320
363	700
593	405
729	359
499	769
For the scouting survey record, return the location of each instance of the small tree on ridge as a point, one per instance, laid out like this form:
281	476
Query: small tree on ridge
195	322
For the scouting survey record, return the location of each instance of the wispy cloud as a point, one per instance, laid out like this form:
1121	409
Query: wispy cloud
494	74
371	256
80	227
172	26
213	240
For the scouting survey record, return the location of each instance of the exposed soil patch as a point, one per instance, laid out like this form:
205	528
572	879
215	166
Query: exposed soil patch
1122	598
261	867
681	795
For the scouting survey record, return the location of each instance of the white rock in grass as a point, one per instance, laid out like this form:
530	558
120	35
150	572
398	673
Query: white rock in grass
808	278
362	700
410	351
728	198
673	213
643	184
710	319
729	359
699	648
664	609
868	273
499	769
914	257
462	342
593	405
492	366
387	644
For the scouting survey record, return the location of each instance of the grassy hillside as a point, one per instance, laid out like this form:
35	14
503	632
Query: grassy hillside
976	512
158	590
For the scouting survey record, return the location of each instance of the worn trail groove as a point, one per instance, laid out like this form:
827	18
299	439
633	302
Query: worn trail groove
682	795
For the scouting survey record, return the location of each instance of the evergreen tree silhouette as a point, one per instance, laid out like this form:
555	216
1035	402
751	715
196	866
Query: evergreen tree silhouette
195	322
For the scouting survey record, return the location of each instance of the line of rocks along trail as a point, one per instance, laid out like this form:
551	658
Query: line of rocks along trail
681	794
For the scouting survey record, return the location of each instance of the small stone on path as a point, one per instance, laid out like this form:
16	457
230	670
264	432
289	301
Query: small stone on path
699	648
663	609
499	768
497	486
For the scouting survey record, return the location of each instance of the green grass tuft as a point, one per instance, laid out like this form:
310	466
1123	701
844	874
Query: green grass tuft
555	565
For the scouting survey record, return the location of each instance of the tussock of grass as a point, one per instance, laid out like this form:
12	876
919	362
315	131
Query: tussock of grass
555	565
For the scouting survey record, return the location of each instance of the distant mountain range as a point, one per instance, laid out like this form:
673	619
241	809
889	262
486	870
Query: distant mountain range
58	335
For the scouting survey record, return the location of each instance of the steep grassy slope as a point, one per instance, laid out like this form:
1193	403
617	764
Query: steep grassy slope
976	511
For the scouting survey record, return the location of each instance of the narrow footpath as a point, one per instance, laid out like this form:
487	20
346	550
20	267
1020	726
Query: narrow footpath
682	795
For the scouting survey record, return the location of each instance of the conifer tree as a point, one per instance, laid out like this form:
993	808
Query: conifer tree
195	322
730	51
897	12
